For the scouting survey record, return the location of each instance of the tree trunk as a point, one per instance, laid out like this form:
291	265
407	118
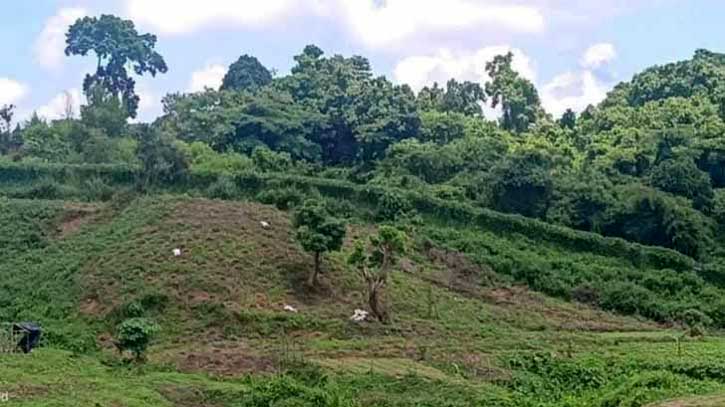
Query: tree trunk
376	306
313	280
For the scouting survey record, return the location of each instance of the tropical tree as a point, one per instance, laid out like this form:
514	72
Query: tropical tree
247	73
317	233
8	139
362	115
375	261
117	46
458	97
516	96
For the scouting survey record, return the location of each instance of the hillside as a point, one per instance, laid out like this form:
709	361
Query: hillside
326	236
461	332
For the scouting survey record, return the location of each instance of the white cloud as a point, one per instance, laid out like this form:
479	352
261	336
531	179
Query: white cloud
577	90
61	105
50	44
210	76
184	16
372	22
598	55
420	71
379	24
11	91
574	91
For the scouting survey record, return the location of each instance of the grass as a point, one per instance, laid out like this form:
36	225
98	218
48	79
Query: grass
463	332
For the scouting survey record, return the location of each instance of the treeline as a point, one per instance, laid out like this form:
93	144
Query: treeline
647	164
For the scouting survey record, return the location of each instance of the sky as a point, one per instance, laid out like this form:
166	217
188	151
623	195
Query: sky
575	51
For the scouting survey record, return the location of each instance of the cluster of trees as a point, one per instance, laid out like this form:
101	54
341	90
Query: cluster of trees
646	164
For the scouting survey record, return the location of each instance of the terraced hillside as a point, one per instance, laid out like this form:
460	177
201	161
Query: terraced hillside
463	331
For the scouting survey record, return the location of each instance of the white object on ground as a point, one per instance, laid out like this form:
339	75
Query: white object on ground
264	224
177	252
359	315
290	308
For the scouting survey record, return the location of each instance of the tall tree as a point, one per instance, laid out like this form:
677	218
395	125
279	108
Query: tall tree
375	261
117	45
8	141
363	115
458	97
247	73
517	96
317	232
568	119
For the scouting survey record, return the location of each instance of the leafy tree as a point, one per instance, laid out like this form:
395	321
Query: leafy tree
362	115
105	111
581	199
6	118
248	74
682	177
162	160
318	233
242	122
117	45
703	74
517	96
135	335
522	183
9	139
459	97
442	127
42	141
375	261
568	119
651	217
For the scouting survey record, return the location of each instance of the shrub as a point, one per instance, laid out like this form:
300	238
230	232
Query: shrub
96	189
627	298
223	188
284	198
135	334
393	205
586	294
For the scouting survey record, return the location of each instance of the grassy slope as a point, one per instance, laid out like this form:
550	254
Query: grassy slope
459	334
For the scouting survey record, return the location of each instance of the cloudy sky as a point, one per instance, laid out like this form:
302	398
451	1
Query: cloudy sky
574	50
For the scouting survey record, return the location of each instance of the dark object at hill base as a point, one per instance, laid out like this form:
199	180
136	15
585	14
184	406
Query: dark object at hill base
30	335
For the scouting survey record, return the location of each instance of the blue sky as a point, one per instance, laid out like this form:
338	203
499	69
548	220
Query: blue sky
574	50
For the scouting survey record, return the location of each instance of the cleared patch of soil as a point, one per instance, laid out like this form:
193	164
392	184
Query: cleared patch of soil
224	361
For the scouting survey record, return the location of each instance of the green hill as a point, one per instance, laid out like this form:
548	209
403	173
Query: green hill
463	332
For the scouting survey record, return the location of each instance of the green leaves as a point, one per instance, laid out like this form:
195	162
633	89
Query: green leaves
246	74
517	96
317	231
117	45
135	335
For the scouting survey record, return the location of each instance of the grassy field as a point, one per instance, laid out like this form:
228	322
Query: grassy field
463	331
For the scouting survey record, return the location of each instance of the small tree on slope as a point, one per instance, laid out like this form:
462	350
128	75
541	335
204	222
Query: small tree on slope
317	232
375	262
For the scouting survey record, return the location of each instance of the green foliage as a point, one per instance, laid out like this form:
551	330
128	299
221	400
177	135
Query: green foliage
516	96
682	177
317	232
360	116
223	188
135	335
283	197
117	45
649	217
161	159
464	98
523	184
246	74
